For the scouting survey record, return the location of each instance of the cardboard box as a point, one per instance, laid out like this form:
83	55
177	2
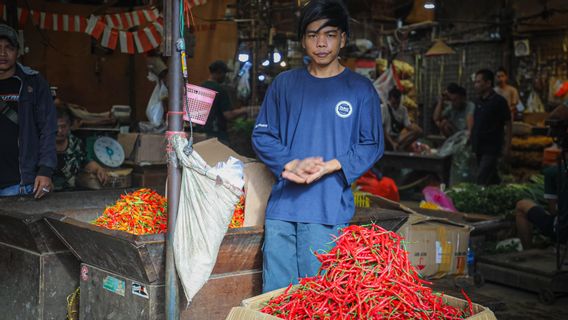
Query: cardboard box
152	175
250	307
436	247
143	148
258	179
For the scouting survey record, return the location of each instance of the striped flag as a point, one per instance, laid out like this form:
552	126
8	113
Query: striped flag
3	13
126	42
22	17
110	38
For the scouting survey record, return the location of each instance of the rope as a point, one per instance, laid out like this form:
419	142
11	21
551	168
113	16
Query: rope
73	305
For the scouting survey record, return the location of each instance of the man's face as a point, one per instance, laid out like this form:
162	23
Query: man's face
323	46
456	99
8	56
63	127
501	77
481	85
394	102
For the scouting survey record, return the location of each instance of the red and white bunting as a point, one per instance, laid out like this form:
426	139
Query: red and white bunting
153	36
22	17
3	13
126	42
110	38
105	28
127	20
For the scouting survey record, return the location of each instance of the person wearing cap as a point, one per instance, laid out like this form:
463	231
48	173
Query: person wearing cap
221	111
453	111
28	124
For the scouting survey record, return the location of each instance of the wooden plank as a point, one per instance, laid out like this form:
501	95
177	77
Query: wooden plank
541	262
240	250
432	163
221	293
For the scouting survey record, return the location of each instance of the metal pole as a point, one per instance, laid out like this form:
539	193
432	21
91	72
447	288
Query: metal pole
175	124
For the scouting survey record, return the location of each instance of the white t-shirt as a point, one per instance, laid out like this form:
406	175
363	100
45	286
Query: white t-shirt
400	115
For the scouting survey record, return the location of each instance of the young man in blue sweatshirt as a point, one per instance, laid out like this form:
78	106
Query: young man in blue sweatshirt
318	130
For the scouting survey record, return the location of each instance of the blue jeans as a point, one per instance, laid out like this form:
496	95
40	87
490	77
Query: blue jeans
288	251
17	190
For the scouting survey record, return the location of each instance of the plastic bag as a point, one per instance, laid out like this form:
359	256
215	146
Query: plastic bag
454	143
384	84
155	107
534	103
206	205
463	159
438	197
243	86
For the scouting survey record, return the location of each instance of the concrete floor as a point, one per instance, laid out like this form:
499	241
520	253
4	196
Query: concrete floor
523	305
506	302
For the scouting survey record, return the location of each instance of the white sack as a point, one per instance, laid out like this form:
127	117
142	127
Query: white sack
206	205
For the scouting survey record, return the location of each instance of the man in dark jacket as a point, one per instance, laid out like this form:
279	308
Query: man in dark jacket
491	132
28	124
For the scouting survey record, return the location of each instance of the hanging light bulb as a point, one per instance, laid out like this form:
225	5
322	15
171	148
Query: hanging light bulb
261	77
276	57
430	5
244	57
265	63
283	64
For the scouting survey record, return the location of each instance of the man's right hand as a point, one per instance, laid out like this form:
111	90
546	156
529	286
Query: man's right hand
299	170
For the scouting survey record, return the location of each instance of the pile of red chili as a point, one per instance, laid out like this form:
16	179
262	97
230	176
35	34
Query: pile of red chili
366	276
239	214
143	211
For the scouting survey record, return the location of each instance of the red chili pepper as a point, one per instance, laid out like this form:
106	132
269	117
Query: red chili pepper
238	214
367	275
140	212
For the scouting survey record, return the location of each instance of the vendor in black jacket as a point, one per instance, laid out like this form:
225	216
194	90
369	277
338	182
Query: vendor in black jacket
491	132
28	124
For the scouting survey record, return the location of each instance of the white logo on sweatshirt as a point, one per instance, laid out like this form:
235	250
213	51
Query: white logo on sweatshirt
343	109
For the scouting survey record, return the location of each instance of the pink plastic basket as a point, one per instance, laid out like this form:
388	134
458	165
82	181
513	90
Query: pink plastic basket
198	104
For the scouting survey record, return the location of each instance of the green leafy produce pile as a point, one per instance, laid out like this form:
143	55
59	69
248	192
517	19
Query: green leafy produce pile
497	199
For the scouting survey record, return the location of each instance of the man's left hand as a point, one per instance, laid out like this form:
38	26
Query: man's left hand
42	186
327	168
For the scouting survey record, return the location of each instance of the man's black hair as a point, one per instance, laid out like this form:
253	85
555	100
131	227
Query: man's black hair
502	69
63	112
334	11
455	88
218	67
487	75
395	93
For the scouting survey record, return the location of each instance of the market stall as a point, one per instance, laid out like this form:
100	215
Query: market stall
116	264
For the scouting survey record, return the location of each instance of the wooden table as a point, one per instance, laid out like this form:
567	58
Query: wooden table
431	163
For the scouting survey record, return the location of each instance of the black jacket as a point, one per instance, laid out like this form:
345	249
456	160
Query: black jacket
37	120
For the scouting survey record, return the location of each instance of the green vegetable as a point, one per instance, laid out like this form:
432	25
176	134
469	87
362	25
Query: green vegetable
497	199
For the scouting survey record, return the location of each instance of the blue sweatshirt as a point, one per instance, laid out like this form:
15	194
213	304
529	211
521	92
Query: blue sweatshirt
334	118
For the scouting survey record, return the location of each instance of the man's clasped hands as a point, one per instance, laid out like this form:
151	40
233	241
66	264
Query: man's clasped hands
309	170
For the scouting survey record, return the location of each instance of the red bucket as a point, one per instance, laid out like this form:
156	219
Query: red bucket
198	104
